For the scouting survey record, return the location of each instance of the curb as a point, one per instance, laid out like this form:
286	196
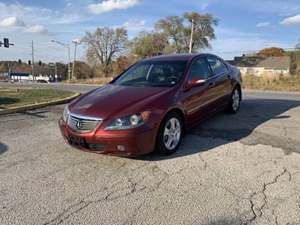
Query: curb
78	84
38	105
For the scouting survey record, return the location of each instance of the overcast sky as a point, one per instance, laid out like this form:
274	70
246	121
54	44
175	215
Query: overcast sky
244	25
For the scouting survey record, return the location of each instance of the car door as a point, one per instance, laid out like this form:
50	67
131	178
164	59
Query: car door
197	98
219	82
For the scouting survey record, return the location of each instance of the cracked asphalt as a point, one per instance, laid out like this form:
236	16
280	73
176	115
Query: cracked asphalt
230	170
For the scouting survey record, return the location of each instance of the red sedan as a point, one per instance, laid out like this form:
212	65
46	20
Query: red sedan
151	104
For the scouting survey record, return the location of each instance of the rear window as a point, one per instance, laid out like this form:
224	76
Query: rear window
217	66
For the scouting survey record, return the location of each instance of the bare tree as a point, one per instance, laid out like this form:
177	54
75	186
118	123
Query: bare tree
104	45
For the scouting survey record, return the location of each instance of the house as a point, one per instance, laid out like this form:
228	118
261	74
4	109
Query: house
260	66
277	64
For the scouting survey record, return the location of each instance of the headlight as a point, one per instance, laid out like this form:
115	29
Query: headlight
129	122
66	114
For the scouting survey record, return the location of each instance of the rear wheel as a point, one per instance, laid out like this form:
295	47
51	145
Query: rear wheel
235	101
170	134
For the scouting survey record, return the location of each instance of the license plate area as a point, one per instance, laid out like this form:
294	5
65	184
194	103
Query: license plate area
77	141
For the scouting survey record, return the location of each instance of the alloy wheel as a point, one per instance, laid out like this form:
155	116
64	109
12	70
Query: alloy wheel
236	100
172	133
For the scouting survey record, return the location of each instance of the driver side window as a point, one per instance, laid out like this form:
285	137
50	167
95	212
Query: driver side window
199	70
136	73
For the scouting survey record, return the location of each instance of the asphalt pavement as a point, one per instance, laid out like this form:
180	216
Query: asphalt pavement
230	170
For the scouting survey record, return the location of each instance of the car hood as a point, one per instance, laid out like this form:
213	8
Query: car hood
107	101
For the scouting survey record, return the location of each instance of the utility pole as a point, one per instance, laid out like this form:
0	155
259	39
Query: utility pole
192	36
69	56
9	72
69	61
32	62
55	71
75	51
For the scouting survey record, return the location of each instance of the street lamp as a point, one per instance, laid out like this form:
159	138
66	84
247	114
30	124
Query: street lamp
69	55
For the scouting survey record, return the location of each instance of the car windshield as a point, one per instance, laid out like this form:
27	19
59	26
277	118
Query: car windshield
160	74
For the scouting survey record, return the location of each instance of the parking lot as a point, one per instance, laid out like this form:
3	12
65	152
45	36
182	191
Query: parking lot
231	169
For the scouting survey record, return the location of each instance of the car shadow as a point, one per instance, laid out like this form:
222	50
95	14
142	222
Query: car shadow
3	148
36	113
224	128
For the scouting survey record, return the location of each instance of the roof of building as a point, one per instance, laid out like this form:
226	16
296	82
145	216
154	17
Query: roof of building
282	62
247	61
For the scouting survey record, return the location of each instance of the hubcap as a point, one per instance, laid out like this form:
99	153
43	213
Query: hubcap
235	100
172	133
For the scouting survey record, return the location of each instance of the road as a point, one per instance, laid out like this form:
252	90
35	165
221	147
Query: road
230	170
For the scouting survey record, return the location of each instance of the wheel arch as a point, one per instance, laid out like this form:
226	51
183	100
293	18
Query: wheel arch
239	87
180	112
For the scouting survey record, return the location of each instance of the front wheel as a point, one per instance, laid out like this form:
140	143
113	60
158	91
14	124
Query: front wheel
235	101
170	134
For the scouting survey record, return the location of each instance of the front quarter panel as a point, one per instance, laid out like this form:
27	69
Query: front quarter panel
236	75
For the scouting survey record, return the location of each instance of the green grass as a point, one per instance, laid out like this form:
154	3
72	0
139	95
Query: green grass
11	97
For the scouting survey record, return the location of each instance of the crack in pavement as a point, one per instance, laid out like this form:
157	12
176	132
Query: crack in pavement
82	204
122	192
258	210
205	164
131	219
275	217
109	196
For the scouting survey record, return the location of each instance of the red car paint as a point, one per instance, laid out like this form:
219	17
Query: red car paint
114	101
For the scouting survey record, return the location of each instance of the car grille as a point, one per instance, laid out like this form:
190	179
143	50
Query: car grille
83	124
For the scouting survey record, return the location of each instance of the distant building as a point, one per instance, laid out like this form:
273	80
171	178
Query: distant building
25	77
247	61
260	66
19	76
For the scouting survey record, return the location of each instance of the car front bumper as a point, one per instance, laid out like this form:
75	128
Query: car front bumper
128	143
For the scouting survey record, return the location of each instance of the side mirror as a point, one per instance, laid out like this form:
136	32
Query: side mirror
195	83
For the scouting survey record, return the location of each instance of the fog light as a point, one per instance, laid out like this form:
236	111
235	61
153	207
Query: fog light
121	148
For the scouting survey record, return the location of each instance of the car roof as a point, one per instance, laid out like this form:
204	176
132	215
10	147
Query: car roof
176	57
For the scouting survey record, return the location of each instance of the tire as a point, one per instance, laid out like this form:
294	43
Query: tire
168	141
235	101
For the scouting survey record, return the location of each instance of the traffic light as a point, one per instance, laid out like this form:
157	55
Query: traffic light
29	62
40	63
20	61
6	42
